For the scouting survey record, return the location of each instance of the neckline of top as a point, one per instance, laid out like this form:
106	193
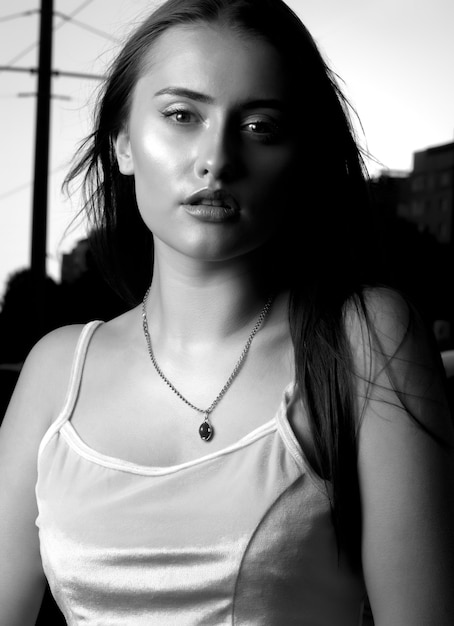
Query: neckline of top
277	423
63	424
65	427
73	438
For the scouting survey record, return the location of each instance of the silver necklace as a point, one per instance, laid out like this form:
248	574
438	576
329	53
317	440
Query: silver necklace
206	430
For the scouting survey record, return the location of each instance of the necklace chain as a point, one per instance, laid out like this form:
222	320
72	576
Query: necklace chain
232	376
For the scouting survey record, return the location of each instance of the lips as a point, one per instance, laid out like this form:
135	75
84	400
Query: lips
212	206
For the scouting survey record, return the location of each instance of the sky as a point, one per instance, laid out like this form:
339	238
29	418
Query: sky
394	58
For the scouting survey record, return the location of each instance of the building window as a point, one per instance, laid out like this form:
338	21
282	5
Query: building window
445	179
444	204
417	208
443	233
417	184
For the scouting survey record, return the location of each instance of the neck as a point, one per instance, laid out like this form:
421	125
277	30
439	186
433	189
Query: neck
204	305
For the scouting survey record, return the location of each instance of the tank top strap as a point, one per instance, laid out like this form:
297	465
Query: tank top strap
77	369
75	379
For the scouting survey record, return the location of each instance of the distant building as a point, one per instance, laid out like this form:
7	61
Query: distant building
430	202
74	264
390	192
415	224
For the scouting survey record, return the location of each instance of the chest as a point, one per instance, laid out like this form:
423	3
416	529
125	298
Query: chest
129	412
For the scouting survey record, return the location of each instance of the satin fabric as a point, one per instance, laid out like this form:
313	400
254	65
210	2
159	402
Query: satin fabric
242	536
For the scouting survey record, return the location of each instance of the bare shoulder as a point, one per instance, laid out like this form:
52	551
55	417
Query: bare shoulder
117	336
395	320
382	316
390	339
405	462
44	378
51	359
396	356
56	346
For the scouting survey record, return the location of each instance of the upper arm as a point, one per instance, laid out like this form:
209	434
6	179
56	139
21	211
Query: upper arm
37	398
406	475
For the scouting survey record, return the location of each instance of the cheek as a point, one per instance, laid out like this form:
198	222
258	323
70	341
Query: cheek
152	158
275	177
157	169
274	162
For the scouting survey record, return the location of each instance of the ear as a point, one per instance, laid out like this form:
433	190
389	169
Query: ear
123	152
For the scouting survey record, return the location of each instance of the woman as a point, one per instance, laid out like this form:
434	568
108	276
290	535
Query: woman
264	437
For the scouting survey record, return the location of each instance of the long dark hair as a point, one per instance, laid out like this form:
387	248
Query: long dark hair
325	261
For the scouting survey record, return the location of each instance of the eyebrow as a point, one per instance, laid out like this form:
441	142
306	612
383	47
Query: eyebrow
267	103
185	93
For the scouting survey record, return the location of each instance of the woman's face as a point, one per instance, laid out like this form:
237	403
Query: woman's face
209	142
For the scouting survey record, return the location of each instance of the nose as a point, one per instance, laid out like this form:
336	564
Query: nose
217	155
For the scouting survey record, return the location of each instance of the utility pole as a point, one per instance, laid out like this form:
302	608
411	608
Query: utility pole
38	304
41	167
41	157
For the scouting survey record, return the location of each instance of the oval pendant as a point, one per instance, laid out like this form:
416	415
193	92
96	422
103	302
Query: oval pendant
206	430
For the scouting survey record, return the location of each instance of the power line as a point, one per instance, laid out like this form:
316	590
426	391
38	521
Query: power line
80	8
32	46
87	27
15	190
57	73
23	186
14	16
33	94
23	53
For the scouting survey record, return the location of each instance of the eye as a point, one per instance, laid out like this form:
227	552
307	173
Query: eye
180	115
265	130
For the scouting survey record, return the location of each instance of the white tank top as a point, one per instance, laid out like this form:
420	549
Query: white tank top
239	536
